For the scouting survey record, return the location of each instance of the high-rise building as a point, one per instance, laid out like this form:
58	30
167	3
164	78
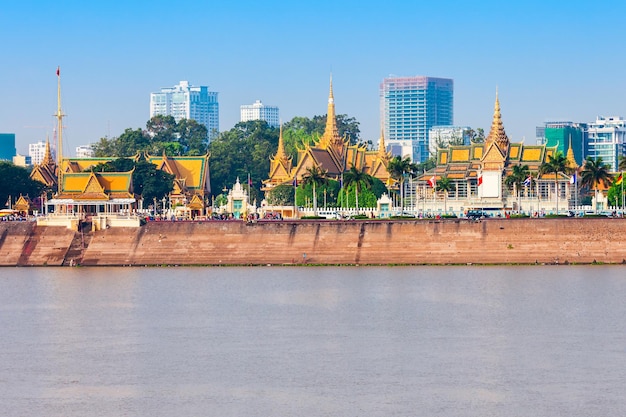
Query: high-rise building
84	151
7	146
37	152
562	135
184	101
606	138
409	107
260	111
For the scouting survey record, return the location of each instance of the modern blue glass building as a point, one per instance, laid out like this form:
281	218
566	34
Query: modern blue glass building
409	107
7	146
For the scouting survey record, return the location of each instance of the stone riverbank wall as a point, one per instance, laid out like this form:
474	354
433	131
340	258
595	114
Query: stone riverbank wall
450	241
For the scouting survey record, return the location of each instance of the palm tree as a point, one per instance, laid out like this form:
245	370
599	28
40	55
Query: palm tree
359	179
518	175
398	168
556	164
315	176
444	184
595	172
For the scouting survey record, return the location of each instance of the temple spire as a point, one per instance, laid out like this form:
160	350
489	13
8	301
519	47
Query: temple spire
331	138
497	133
281	155
47	157
382	148
571	159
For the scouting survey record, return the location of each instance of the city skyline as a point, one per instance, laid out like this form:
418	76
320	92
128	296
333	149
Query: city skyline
541	57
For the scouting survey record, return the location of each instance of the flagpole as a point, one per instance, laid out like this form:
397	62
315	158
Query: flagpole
295	195
576	191
622	175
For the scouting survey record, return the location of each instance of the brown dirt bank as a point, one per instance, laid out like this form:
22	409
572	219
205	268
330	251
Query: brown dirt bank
492	241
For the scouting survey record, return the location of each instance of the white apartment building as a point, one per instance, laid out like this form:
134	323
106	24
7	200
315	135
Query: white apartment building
606	138
37	151
260	111
84	151
184	101
441	136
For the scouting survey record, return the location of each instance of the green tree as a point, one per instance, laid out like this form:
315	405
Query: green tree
151	183
425	166
105	147
241	151
445	185
622	163
148	181
130	142
161	128
398	169
313	128
594	173
615	195
477	136
555	165
281	195
357	179
315	176
15	181
518	175
192	136
115	165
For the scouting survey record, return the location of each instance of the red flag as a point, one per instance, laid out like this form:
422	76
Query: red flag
432	181
58	71
480	180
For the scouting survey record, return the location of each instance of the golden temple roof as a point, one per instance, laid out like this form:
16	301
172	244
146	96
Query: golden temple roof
192	170
97	185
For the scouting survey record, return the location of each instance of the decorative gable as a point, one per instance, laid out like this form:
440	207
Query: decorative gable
93	186
493	159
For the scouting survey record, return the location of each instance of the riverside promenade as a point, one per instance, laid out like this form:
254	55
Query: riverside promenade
352	242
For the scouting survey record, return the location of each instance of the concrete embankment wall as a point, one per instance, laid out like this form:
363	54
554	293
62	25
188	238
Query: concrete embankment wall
25	244
493	241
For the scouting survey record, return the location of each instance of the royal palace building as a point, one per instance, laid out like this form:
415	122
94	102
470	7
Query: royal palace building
476	177
331	153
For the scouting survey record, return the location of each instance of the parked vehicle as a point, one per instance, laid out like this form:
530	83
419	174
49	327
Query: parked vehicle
476	214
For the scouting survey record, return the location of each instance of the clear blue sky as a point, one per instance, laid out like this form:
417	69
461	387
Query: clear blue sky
549	59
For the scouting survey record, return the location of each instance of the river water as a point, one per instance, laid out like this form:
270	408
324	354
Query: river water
313	341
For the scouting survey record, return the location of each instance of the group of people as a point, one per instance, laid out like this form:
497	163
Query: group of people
14	218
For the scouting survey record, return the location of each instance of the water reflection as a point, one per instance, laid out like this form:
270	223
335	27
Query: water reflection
448	341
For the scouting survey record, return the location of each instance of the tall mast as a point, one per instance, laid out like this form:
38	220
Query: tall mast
59	115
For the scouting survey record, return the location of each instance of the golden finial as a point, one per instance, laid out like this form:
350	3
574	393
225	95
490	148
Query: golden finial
331	98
